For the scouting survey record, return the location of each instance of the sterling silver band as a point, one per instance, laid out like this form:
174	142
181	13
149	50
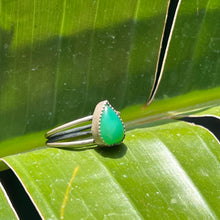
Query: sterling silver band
60	133
70	131
79	132
69	125
72	143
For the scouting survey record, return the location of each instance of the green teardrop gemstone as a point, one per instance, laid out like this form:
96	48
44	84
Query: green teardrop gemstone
111	127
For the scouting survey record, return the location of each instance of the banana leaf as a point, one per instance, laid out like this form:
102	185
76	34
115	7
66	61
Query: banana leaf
58	59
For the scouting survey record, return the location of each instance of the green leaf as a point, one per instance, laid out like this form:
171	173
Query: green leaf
193	63
6	208
214	111
59	59
163	168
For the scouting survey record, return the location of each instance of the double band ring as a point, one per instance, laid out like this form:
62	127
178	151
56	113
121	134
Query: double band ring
106	129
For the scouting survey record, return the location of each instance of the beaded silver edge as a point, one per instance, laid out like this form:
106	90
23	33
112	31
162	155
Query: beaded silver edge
99	123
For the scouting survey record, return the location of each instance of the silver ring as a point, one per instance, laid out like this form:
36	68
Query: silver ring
106	129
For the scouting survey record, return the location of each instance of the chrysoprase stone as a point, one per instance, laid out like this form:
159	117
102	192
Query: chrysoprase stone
111	127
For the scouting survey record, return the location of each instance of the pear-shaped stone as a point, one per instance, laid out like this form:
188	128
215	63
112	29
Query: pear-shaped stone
111	126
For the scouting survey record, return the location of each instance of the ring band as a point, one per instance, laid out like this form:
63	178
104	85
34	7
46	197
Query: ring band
106	129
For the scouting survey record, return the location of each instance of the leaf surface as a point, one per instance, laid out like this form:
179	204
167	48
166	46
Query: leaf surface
192	64
6	209
163	168
58	60
55	68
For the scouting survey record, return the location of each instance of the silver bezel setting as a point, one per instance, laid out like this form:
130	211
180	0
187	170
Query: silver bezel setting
96	123
57	136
